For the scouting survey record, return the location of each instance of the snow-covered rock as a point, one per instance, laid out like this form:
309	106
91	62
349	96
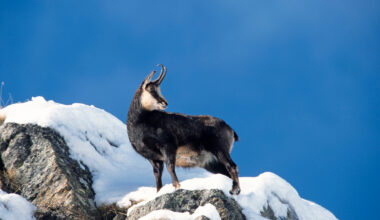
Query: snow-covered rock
95	138
267	195
99	141
192	201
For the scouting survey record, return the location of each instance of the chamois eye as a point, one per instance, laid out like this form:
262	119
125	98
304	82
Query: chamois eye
150	86
152	89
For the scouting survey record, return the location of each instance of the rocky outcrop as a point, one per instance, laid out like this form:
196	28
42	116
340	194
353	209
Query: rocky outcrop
35	163
188	201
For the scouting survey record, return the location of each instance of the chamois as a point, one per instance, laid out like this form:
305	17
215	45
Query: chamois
178	139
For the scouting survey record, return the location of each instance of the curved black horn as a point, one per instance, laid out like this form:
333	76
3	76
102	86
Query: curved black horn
162	74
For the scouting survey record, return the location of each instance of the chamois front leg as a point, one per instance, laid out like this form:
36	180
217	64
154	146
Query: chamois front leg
170	157
157	170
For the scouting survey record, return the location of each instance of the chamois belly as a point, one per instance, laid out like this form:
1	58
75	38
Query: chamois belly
188	157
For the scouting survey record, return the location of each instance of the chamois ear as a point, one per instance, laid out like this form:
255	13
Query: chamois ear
148	79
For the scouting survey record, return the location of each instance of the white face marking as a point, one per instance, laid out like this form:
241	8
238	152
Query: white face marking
149	103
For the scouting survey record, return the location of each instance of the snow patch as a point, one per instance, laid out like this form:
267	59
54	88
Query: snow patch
207	210
14	207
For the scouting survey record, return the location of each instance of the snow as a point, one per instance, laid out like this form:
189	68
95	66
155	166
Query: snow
207	210
100	141
14	207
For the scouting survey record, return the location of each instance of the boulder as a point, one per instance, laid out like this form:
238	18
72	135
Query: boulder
188	201
35	163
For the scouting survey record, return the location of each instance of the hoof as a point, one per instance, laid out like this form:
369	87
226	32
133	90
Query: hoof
177	186
235	191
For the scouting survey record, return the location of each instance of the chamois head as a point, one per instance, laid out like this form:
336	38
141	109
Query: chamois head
151	97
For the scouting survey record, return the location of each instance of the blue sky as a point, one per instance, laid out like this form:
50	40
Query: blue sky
298	81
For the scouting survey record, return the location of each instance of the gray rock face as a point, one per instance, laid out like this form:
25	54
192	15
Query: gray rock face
269	214
35	163
188	201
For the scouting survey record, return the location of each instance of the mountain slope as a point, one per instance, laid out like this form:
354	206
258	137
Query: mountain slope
99	140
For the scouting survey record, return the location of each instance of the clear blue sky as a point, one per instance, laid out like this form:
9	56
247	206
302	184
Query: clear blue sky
299	81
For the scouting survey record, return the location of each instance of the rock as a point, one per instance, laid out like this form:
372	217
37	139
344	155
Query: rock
188	201
202	217
269	214
35	163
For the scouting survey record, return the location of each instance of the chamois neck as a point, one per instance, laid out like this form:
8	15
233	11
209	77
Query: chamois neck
136	110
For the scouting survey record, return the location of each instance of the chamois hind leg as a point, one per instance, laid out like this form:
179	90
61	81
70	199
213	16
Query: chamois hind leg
232	169
157	170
